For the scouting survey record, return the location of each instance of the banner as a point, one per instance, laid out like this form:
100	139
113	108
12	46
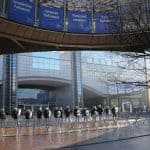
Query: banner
107	22
79	21
51	18
22	11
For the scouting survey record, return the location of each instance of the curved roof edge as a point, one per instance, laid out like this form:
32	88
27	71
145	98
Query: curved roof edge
15	37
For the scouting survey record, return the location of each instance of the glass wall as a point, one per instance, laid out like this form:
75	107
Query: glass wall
114	76
81	16
51	60
107	78
45	72
35	96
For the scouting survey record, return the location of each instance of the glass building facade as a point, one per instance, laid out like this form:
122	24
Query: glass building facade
79	16
85	78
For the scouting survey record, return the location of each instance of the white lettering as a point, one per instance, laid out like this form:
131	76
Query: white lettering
51	14
79	16
22	6
79	20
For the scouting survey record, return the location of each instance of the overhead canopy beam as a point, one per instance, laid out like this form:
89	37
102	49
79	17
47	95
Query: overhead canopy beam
16	38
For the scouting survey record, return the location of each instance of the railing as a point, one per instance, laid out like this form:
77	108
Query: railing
34	126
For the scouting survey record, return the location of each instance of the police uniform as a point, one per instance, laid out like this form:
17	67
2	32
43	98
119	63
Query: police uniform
39	114
2	114
67	113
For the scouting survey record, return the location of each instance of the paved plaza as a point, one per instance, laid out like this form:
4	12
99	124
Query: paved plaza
130	137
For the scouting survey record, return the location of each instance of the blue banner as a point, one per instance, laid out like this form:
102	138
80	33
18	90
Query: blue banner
107	22
51	18
79	21
22	11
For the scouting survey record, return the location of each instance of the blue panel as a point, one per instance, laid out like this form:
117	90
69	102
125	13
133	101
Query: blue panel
79	21
51	18
22	11
107	22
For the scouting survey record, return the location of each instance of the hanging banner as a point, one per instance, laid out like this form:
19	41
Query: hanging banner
79	21
22	11
51	18
107	22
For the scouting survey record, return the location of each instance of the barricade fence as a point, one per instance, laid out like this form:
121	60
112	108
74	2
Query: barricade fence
34	126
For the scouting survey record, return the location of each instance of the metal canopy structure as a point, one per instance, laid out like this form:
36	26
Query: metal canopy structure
114	25
17	38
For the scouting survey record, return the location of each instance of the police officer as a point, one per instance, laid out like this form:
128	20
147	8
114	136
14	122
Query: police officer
16	113
85	114
107	112
113	111
61	111
28	116
2	117
47	113
77	114
93	112
67	113
100	111
2	114
58	114
39	115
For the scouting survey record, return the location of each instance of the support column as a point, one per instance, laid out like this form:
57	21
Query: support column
77	79
9	82
3	8
65	16
36	13
147	79
147	3
93	21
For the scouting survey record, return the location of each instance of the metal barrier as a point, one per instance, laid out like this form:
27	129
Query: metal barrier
33	126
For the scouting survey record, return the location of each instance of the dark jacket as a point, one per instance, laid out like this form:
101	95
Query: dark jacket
100	110
67	112
39	114
2	115
15	114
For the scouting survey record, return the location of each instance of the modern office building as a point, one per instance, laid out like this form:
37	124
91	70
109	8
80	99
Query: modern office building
69	77
51	79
